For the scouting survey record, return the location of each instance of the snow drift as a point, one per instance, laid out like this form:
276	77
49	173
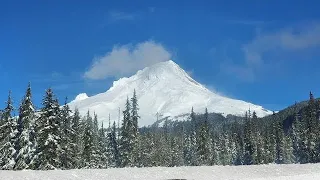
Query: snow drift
257	172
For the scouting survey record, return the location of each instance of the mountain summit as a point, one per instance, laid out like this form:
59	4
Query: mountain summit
164	89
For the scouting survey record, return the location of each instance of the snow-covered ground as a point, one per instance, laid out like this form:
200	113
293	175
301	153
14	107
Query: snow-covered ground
260	172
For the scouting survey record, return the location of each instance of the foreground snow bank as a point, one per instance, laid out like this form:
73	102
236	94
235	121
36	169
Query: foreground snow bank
260	172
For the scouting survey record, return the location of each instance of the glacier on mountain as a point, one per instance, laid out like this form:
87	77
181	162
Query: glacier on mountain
162	89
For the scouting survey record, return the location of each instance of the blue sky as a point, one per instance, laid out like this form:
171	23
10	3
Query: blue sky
264	52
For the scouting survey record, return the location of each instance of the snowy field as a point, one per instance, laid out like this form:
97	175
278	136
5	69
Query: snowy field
261	172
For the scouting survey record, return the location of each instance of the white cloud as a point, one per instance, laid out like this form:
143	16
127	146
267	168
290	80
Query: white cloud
127	59
289	40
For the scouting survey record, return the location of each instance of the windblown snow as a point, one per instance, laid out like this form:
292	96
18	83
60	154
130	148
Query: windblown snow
257	172
164	89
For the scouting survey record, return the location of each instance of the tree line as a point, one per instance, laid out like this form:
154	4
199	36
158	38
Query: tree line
247	141
54	137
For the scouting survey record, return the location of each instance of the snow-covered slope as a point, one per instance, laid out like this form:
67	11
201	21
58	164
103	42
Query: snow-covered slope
81	97
259	172
163	88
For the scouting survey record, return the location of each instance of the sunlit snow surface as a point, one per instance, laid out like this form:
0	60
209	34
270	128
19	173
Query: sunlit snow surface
260	172
81	97
163	88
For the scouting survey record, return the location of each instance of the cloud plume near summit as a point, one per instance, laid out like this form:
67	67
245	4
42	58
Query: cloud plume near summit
126	59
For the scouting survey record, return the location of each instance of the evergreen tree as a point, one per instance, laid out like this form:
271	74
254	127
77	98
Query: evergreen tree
164	152
260	157
125	141
273	143
288	151
102	144
312	132
8	137
75	139
280	144
248	141
89	153
134	113
67	131
24	141
258	143
239	150
193	121
176	152
134	131
146	145
203	148
129	133
97	155
48	132
215	159
95	127
225	155
112	148
296	132
188	149
193	139
267	146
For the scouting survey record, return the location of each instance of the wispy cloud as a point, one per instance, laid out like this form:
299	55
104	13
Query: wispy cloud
287	40
120	16
47	78
57	80
127	59
246	22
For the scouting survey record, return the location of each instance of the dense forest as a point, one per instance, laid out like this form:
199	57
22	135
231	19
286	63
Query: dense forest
55	137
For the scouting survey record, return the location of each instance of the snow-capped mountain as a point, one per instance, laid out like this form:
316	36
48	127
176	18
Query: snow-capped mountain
164	89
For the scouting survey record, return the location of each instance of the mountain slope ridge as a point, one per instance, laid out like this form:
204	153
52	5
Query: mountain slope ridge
163	88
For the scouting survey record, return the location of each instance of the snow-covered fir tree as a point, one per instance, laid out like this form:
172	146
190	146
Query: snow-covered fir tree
225	154
102	148
312	130
25	143
127	137
97	155
113	154
75	139
176	152
193	140
48	133
89	152
215	155
134	113
288	151
8	133
280	144
67	161
296	138
249	146
188	149
203	142
146	147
